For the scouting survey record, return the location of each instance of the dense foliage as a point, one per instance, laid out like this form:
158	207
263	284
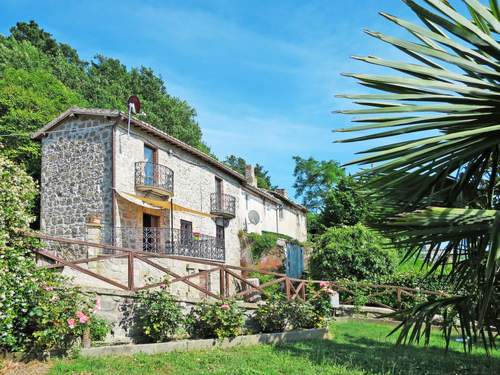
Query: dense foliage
439	187
344	204
218	320
158	314
39	314
354	252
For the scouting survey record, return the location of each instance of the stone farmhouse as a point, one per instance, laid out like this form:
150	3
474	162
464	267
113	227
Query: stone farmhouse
112	179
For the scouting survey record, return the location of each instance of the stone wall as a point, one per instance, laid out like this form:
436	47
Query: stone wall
117	309
76	176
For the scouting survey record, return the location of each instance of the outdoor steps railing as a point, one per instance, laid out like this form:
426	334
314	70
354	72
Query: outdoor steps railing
293	288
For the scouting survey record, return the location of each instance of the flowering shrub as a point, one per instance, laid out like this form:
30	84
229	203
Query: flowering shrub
61	318
219	320
158	315
39	314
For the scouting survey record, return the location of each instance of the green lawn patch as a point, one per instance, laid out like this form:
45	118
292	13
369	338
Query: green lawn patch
355	348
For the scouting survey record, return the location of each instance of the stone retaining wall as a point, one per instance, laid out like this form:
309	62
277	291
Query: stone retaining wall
117	309
189	345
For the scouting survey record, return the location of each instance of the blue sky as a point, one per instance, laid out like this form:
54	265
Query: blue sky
261	75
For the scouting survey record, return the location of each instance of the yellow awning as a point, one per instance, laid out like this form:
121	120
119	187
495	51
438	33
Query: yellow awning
135	200
164	204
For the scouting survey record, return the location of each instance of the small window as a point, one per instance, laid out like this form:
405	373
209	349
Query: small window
280	211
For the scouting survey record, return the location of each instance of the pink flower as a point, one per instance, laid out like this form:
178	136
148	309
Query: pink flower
83	318
97	305
71	323
48	288
323	284
225	306
163	286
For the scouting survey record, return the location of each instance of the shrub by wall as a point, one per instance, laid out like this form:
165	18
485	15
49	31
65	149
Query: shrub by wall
39	314
279	314
219	320
158	315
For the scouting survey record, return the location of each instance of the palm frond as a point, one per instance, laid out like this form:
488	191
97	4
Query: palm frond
439	186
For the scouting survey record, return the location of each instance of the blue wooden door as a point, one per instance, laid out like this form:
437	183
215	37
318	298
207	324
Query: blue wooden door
294	260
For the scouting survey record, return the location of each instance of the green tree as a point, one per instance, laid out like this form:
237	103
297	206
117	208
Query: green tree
313	179
28	100
238	164
344	204
439	185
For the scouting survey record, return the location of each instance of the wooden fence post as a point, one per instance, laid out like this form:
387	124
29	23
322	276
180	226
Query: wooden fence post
131	271
221	282
287	288
226	282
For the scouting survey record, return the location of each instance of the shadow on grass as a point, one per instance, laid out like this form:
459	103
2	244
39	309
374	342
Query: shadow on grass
375	357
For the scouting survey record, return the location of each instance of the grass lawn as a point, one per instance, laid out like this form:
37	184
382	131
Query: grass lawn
355	348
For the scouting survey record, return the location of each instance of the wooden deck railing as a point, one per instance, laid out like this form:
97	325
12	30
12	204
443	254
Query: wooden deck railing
293	288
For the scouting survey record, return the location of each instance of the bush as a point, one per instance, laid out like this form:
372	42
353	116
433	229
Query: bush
273	316
305	314
39	313
60	319
158	315
220	320
262	243
355	253
99	329
416	280
279	314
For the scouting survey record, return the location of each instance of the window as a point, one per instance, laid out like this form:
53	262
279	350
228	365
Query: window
219	190
281	211
150	158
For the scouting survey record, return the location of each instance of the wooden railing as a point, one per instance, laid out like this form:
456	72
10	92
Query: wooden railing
293	288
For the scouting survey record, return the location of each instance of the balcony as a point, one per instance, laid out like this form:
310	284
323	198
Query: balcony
170	242
154	178
223	205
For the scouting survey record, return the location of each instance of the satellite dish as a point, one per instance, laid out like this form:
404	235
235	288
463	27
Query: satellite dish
254	217
134	104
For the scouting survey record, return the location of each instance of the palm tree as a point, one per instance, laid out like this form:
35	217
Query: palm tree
440	183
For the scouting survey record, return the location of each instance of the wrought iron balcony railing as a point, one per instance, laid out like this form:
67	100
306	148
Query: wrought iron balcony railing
223	205
170	241
154	178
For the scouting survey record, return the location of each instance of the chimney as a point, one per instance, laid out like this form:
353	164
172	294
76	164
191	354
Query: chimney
282	192
250	175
